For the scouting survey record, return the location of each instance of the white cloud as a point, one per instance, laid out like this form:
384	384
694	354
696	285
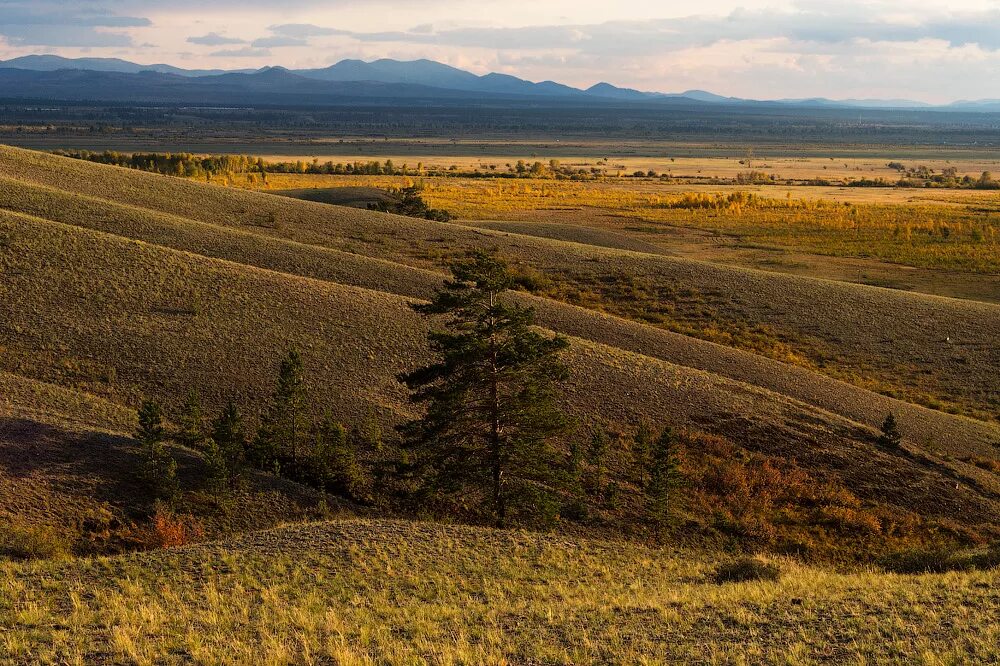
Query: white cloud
214	39
245	52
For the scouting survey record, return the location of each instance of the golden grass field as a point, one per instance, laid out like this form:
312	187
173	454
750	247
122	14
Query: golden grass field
937	229
383	592
119	285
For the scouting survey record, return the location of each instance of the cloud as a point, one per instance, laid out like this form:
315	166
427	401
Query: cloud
62	35
278	40
294	34
215	39
48	13
808	24
245	52
305	30
54	24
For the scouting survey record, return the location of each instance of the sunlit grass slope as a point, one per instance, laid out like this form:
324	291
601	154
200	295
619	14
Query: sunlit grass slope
383	592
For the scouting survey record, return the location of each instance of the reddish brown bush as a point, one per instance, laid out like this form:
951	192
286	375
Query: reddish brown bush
169	530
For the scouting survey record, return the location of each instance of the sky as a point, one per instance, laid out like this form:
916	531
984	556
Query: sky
888	49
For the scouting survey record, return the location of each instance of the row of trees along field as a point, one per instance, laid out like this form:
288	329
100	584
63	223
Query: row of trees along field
187	165
493	444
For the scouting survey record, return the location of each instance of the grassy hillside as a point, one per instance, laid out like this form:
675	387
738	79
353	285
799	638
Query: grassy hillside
367	592
121	286
252	248
123	320
931	351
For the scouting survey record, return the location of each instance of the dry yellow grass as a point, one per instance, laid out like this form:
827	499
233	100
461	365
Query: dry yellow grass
944	230
385	592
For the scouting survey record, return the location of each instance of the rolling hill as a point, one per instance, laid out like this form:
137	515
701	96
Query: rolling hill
851	323
121	284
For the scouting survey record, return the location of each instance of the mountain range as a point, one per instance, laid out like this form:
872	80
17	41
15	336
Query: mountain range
111	79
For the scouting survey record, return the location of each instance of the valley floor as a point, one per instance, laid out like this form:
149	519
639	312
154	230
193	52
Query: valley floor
392	592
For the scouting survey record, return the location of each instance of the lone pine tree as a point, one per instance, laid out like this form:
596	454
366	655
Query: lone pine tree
191	423
597	453
891	437
490	396
229	437
664	476
335	463
642	453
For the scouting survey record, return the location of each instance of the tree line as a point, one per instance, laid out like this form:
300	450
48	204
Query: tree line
923	176
188	165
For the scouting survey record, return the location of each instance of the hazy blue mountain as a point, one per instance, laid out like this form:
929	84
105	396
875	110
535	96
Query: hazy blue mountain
383	78
420	72
860	103
614	92
434	74
985	105
704	96
511	85
271	86
51	63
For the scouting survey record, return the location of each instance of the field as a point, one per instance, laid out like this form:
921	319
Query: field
120	285
937	229
362	592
